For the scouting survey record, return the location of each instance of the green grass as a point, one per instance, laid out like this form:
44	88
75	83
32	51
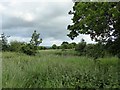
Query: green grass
50	68
0	70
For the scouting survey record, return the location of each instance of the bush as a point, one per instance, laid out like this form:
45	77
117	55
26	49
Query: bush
113	48
80	47
95	50
28	49
42	48
16	46
91	50
64	45
54	46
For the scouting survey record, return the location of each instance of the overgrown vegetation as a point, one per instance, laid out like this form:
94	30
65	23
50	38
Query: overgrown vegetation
100	20
16	46
97	50
70	65
50	70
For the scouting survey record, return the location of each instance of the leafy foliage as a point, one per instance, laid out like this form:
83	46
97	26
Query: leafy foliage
35	39
42	48
16	46
54	46
47	70
91	50
72	45
64	45
100	19
32	47
28	49
95	50
4	42
80	47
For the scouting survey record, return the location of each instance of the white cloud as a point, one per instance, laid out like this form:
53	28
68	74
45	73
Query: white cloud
17	1
2	8
49	17
85	37
50	41
17	38
28	17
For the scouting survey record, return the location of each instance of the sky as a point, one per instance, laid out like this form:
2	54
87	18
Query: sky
50	18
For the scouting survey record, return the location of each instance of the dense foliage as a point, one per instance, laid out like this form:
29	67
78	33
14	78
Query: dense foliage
16	46
54	46
35	40
80	47
101	20
4	43
48	70
32	47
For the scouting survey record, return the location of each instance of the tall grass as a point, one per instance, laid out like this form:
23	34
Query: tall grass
50	70
0	70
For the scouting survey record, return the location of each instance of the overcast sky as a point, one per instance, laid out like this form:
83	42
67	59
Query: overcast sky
19	18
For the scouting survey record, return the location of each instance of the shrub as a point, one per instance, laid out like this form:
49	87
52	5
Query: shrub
4	46
54	46
95	50
80	47
42	48
28	49
32	47
64	45
16	46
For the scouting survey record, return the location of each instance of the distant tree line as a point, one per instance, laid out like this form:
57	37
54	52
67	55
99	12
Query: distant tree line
82	48
16	46
64	45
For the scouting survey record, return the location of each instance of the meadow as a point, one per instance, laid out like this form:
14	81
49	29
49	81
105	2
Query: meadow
58	69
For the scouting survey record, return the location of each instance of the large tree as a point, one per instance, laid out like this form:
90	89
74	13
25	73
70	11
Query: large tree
101	20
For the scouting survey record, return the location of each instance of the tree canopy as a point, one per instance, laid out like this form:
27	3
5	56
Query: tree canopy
101	20
35	39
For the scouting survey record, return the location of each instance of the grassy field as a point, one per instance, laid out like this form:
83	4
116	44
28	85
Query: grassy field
56	69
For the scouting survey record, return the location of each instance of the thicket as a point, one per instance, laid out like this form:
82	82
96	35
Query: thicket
47	70
97	50
103	25
16	46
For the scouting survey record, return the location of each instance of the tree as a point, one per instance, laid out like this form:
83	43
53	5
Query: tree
72	45
35	39
95	50
16	46
54	46
101	20
4	42
64	45
32	47
42	48
28	49
80	47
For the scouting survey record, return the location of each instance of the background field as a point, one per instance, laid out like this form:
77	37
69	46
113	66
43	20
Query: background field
58	69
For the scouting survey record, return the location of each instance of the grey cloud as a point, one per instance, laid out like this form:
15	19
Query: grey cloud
50	20
46	14
9	22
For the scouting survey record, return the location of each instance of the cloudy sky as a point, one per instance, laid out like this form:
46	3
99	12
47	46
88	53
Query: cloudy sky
19	18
